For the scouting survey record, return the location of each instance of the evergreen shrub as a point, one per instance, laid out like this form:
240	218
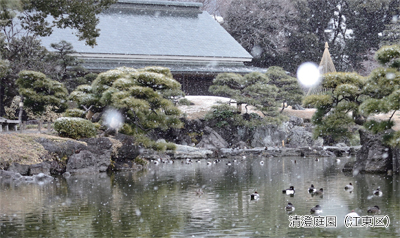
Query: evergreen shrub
74	112
75	128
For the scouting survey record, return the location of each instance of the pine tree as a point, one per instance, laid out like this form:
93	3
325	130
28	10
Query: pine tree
143	96
39	91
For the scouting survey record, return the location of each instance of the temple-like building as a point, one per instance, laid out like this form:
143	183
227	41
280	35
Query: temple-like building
177	35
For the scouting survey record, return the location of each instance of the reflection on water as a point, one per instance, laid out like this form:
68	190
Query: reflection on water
198	200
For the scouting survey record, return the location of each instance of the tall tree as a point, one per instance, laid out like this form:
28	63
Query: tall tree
262	28
265	92
391	34
21	21
39	91
367	20
290	92
352	99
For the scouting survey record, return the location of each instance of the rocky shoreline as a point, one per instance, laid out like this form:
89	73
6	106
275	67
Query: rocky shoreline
119	152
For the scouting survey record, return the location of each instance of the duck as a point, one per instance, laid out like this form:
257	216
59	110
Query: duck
378	192
319	192
312	189
349	186
290	207
229	163
255	196
316	209
261	162
289	191
209	163
375	209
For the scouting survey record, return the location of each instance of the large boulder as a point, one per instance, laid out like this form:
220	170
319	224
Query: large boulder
87	162
96	157
268	135
212	140
374	156
299	136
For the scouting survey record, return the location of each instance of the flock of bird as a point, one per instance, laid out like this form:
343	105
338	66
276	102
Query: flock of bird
290	191
189	161
314	192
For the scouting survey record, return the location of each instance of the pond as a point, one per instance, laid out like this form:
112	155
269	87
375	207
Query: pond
200	200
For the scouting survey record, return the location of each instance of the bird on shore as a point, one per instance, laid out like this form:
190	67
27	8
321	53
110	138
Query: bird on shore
349	186
317	209
312	189
375	209
289	191
255	196
378	192
290	207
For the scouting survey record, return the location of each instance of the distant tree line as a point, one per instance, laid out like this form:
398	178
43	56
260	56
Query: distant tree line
288	32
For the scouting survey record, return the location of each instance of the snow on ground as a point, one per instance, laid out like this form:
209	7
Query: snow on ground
202	104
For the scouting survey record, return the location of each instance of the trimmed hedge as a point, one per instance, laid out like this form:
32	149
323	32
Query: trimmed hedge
74	112
75	128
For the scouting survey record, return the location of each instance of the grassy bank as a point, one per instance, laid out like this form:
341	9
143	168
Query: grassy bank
23	148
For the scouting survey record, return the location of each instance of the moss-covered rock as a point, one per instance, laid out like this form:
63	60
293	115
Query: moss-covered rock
75	128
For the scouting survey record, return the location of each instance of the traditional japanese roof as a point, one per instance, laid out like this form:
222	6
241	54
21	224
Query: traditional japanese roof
178	35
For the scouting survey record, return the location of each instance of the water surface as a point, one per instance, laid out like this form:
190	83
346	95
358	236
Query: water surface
199	200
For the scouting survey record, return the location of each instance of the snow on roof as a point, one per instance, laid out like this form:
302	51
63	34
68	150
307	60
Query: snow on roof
156	28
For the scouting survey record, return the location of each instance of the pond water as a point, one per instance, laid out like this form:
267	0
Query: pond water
199	200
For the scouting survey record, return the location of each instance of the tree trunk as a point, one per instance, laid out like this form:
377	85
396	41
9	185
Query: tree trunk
2	111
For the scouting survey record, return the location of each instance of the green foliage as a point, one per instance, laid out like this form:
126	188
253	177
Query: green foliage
389	56
382	89
159	70
337	110
144	96
39	92
290	91
265	92
74	128
352	99
378	126
74	112
318	101
185	101
224	114
332	80
394	139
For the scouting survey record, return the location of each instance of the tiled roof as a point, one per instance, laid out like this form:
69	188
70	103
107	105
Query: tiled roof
156	28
